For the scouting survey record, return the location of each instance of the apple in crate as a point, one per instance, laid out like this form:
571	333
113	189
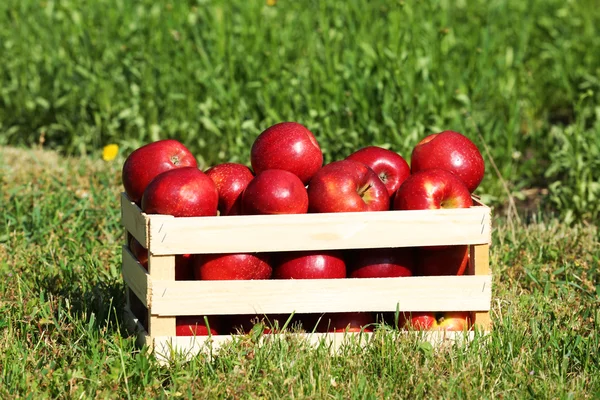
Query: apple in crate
275	191
390	166
442	260
453	152
429	321
309	265
181	192
432	189
347	186
230	179
235	266
289	146
381	263
183	262
196	326
150	160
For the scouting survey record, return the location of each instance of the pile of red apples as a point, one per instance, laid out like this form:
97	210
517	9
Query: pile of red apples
287	176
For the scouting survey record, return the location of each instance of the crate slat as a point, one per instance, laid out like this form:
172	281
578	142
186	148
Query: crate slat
135	276
440	293
133	220
266	233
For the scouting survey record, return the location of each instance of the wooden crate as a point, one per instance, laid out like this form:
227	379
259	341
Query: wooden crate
165	299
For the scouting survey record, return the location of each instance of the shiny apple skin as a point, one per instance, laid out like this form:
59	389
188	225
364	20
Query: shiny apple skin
181	192
380	263
289	146
347	186
230	179
390	166
453	152
432	189
235	266
148	161
309	265
275	191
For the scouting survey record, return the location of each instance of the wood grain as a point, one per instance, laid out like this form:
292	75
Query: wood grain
441	293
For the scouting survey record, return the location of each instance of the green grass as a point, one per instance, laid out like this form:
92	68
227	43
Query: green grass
78	75
62	336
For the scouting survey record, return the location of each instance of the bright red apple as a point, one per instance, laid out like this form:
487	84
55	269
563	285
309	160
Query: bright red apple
181	192
347	186
289	146
381	263
443	260
310	265
453	152
196	326
230	179
432	189
428	321
275	191
236	266
346	322
390	166
183	262
148	161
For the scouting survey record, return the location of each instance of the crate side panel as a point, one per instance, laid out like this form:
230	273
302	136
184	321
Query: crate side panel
135	276
480	254
319	231
134	220
444	293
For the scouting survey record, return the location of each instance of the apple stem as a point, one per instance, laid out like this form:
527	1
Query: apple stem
361	192
175	160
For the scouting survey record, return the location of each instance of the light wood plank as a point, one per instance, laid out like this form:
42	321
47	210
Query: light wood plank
481	256
161	267
261	233
161	326
188	346
135	276
443	293
134	220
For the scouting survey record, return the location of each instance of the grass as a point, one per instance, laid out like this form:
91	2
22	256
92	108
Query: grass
62	336
77	75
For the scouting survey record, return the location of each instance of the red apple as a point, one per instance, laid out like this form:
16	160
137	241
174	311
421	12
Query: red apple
236	266
347	186
310	265
381	263
432	189
275	191
181	192
346	322
148	161
289	146
183	262
452	152
196	326
390	166
230	179
442	260
428	321
139	251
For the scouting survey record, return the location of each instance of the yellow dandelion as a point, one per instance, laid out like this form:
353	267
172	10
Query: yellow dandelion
271	3
110	152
